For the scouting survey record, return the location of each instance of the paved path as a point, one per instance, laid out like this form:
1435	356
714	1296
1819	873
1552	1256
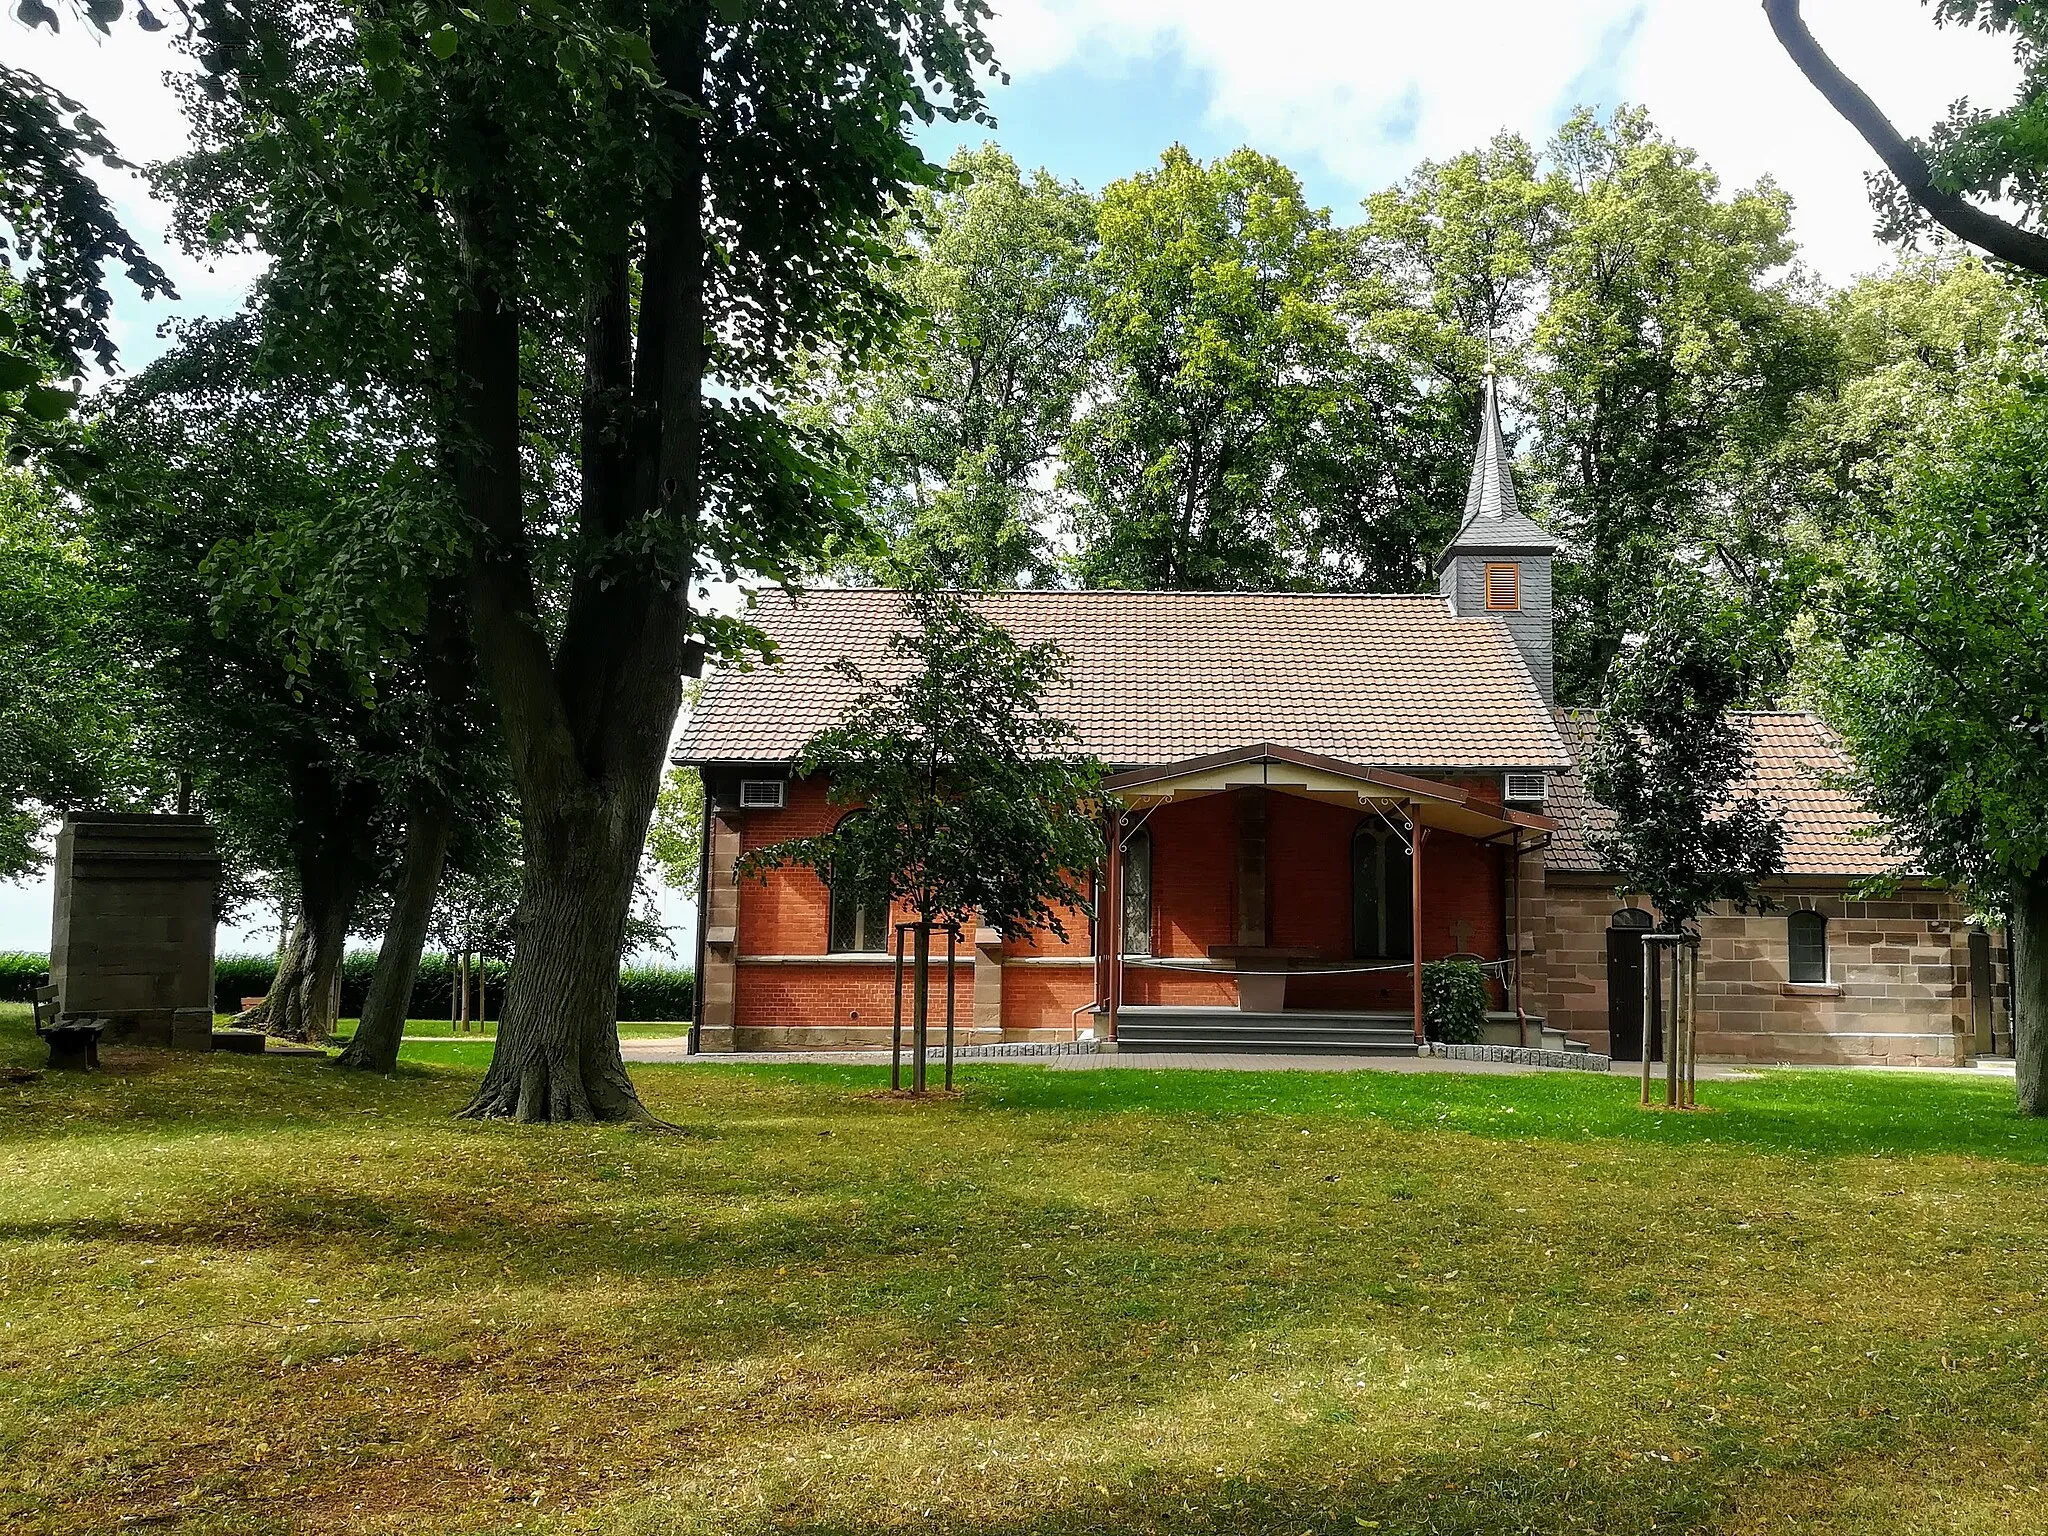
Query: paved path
1144	1061
676	1048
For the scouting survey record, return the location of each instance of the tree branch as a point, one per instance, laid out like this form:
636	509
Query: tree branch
2021	247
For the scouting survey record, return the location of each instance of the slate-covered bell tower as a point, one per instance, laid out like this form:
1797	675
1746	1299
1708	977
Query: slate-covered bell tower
1498	565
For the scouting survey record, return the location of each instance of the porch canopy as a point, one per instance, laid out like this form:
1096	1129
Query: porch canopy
1314	777
1422	806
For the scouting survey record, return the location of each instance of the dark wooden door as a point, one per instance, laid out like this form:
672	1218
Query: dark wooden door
1625	999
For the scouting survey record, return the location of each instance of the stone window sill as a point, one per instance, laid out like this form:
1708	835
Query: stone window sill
1809	989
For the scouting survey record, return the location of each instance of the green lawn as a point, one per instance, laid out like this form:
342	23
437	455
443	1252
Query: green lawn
252	1295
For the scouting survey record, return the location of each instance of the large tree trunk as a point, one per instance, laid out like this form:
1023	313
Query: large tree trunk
330	902
557	1055
587	724
2030	991
382	1027
278	1012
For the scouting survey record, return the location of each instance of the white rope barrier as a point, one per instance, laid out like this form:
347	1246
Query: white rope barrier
1499	968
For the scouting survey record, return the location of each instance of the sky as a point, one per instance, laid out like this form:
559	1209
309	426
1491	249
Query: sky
1350	93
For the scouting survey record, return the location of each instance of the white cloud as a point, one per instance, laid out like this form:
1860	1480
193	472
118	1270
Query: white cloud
1370	86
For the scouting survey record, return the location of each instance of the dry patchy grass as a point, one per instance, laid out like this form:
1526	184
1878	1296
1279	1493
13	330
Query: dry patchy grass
257	1295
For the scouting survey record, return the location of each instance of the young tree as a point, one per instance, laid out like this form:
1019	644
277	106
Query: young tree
687	197
1672	765
1933	664
970	803
953	430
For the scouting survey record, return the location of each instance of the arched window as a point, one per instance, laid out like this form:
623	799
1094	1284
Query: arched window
1382	895
1631	918
1807	935
855	926
1138	894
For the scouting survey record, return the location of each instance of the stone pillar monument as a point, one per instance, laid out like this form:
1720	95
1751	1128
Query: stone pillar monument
131	933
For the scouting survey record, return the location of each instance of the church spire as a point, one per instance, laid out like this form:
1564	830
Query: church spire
1498	567
1493	515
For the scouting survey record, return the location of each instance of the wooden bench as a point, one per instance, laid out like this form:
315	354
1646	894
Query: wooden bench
73	1047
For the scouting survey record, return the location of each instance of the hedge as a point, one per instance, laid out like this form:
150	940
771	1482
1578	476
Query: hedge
658	993
1454	1001
662	993
21	974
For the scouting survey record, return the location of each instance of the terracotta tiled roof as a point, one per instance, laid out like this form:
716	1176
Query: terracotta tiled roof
1795	754
1159	677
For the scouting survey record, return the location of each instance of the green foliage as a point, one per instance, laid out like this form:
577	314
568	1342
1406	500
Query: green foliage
1232	435
1673	766
1454	1001
657	992
21	974
1267	399
1457	253
1673	344
1992	155
72	702
968	802
64	231
651	992
1931	636
950	430
209	470
675	838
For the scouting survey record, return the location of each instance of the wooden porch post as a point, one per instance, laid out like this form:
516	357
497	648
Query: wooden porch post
1514	901
1417	835
1113	991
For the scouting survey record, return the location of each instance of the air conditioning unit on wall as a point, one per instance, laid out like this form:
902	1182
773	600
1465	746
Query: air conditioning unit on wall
1526	788
762	794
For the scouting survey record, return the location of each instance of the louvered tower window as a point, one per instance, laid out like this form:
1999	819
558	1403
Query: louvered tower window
1503	588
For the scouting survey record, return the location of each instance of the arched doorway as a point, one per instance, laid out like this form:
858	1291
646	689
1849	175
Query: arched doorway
1625	930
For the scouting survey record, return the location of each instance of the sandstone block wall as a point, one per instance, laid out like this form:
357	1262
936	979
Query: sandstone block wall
1897	991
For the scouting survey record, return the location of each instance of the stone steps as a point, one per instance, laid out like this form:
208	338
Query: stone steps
1230	1029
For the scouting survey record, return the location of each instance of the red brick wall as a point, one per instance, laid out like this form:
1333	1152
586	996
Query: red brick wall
1194	901
1045	996
1194	877
786	912
1043	941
